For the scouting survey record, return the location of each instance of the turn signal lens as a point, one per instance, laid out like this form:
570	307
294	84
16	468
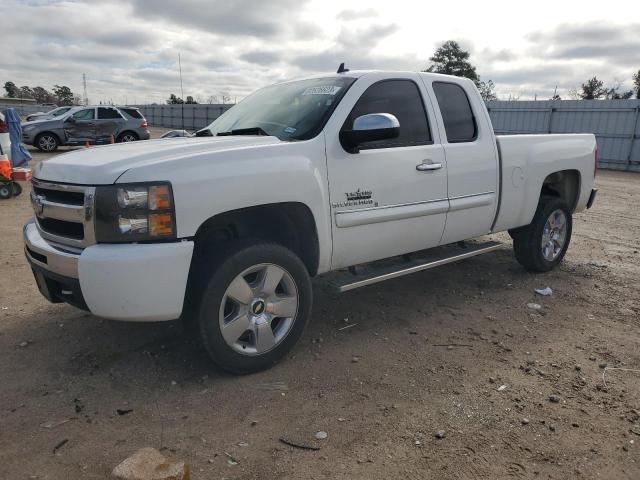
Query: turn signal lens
159	197
160	224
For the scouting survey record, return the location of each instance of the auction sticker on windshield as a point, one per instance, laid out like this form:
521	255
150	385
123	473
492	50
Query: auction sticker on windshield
322	90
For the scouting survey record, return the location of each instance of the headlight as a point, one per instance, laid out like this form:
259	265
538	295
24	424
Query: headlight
135	213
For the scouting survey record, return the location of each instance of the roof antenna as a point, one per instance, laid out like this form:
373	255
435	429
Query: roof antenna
341	68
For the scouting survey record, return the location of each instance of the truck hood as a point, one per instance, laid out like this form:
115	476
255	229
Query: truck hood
103	165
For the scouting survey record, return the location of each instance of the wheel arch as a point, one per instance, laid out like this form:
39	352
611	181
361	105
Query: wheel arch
124	132
290	224
47	132
565	184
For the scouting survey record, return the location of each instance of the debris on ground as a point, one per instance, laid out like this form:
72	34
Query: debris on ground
60	444
149	464
55	423
321	435
553	398
440	434
545	292
534	306
298	445
231	460
502	388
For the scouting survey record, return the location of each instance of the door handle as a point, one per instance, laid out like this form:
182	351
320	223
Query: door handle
427	167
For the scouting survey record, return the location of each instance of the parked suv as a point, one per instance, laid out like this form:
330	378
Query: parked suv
93	124
56	112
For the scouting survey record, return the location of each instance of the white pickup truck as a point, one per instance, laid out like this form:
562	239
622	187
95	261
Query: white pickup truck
225	230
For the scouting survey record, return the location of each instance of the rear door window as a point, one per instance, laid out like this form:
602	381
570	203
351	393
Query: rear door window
86	114
459	122
106	113
402	99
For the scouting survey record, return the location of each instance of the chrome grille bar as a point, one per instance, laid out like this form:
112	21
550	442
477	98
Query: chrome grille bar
51	210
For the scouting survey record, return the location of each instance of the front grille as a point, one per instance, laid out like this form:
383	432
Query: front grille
62	228
60	196
64	213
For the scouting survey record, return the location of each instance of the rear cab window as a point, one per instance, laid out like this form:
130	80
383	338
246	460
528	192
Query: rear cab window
459	122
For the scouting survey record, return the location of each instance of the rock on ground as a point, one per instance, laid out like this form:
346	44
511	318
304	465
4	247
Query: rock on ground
149	464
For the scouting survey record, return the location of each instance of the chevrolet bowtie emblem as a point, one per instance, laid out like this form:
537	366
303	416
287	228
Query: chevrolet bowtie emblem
38	203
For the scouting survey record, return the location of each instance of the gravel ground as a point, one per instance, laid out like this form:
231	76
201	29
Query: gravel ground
514	392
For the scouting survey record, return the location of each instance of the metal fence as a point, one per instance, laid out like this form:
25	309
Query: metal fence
190	117
615	123
170	116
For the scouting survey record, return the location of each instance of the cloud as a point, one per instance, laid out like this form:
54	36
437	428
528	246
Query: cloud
254	18
349	15
129	48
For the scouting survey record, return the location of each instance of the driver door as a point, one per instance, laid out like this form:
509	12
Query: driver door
81	126
384	202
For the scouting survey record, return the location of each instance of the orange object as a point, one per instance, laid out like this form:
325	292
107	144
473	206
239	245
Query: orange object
113	140
5	167
160	224
159	197
87	145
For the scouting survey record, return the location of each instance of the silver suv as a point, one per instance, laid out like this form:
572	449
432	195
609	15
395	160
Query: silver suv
91	124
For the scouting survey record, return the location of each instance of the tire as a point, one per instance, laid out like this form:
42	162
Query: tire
246	330
6	191
17	188
127	137
541	245
47	142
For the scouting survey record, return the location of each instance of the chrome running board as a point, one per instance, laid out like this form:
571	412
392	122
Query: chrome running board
418	261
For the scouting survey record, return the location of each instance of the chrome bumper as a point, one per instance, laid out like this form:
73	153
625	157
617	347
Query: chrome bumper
47	256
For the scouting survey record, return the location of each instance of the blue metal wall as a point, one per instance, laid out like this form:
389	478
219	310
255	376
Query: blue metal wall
616	124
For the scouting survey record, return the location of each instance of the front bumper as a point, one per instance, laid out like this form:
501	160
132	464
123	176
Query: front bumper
131	282
28	137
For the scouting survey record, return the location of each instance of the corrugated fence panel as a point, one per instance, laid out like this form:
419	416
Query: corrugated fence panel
615	123
190	117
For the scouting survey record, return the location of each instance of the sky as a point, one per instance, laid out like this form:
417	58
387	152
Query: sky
129	49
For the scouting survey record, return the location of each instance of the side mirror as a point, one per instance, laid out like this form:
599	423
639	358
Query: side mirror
369	128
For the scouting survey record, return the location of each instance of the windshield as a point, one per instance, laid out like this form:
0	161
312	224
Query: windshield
290	111
59	111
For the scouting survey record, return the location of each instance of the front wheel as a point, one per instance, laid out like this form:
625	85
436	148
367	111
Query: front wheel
254	307
542	244
47	142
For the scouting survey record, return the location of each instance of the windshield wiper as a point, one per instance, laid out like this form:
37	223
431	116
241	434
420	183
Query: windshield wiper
244	131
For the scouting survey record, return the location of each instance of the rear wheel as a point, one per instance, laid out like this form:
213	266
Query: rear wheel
127	137
47	142
542	244
254	307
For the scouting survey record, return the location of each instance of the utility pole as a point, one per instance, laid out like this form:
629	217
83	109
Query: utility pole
84	84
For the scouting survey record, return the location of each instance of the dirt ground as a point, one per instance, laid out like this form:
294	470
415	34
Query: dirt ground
516	391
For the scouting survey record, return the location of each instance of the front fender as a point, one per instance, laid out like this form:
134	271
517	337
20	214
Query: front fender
208	184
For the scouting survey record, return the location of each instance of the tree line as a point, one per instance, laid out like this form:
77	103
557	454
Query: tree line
61	94
451	59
